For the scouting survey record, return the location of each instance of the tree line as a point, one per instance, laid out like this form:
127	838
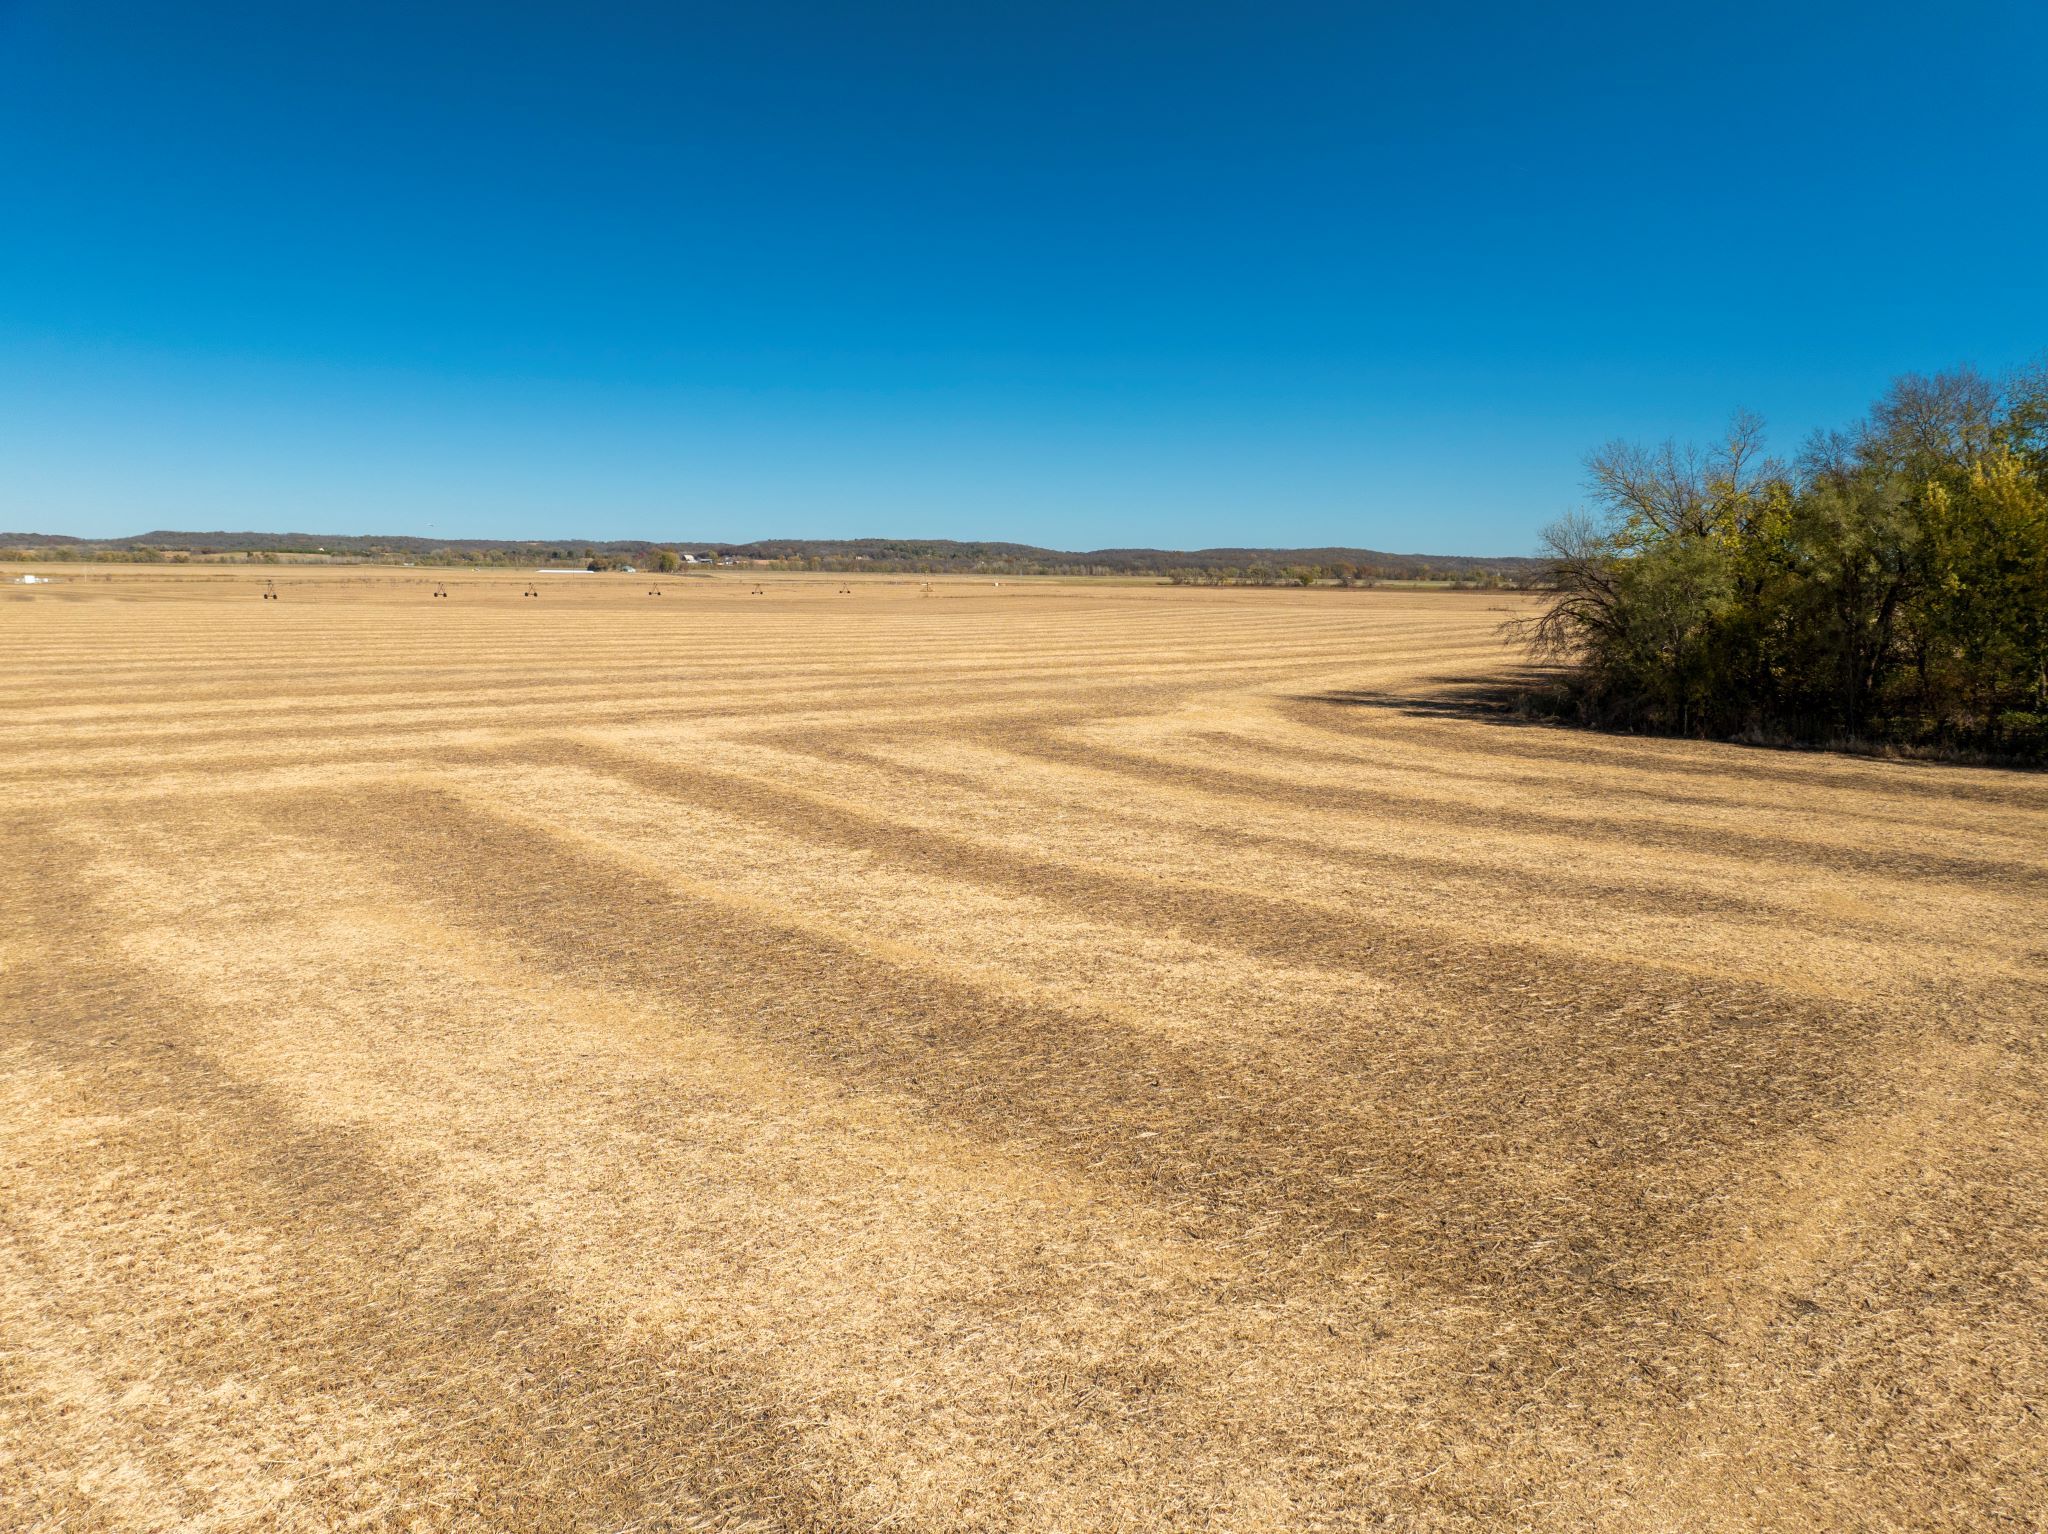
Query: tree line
1889	585
1473	576
1259	567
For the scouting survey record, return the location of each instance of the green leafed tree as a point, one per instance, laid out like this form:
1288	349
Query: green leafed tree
1892	585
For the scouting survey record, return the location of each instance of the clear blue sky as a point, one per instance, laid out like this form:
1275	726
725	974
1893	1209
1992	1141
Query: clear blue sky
1078	274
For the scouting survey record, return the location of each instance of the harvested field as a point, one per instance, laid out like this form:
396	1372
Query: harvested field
1030	1057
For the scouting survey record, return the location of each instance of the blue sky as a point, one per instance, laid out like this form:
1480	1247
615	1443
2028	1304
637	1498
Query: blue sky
1082	275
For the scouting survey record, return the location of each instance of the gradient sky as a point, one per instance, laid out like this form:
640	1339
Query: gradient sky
1082	275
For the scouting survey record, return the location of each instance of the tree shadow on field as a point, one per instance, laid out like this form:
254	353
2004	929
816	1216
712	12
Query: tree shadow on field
1538	696
1528	695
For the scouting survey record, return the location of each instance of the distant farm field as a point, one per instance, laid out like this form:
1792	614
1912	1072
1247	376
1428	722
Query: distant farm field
1024	1057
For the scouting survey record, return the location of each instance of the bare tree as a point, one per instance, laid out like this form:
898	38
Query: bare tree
1581	557
1946	418
1678	492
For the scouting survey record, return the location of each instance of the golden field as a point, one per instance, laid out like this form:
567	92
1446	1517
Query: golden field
1040	1057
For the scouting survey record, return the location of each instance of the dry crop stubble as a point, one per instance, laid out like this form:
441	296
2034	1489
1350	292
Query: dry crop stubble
1038	1057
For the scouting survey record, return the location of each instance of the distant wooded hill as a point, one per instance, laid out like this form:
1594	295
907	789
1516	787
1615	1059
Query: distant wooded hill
913	555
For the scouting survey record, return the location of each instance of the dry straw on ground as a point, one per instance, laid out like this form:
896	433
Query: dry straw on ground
1037	1057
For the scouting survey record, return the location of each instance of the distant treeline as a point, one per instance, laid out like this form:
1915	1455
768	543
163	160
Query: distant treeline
1203	567
1890	586
1259	567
